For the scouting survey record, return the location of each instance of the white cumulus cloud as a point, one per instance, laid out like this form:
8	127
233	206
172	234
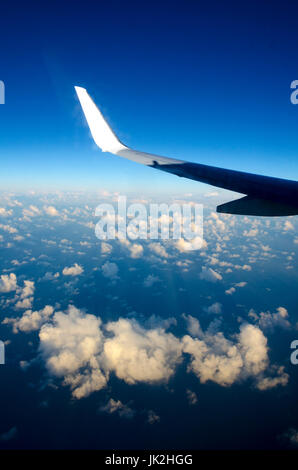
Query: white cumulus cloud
110	270
208	274
267	320
223	361
116	406
139	355
30	321
74	270
51	210
71	347
8	283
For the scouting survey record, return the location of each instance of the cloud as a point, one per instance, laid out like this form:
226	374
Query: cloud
233	289
214	308
25	295
240	284
245	267
110	270
8	228
218	220
106	248
191	397
223	361
150	280
30	321
282	378
25	303
208	274
193	325
136	250
27	290
158	250
251	233
139	355
49	276
77	348
71	347
4	212
51	210
31	212
116	406
18	238
196	243
267	320
155	321
288	225
292	436
230	291
74	270
152	417
8	283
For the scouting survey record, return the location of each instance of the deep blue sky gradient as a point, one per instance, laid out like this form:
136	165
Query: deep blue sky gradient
203	82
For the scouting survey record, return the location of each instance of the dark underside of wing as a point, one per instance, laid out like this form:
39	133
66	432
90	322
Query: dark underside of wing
248	205
265	195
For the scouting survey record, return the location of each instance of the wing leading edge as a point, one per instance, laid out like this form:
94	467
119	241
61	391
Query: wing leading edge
264	195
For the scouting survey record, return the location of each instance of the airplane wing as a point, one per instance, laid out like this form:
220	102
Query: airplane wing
264	195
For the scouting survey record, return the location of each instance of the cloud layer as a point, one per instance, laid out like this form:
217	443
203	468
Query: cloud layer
78	348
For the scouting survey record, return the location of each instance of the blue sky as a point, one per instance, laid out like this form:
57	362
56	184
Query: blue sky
205	83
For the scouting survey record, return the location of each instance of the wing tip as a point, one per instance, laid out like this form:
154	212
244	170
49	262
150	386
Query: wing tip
103	135
79	89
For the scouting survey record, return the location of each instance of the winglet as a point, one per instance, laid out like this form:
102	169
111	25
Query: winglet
101	132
